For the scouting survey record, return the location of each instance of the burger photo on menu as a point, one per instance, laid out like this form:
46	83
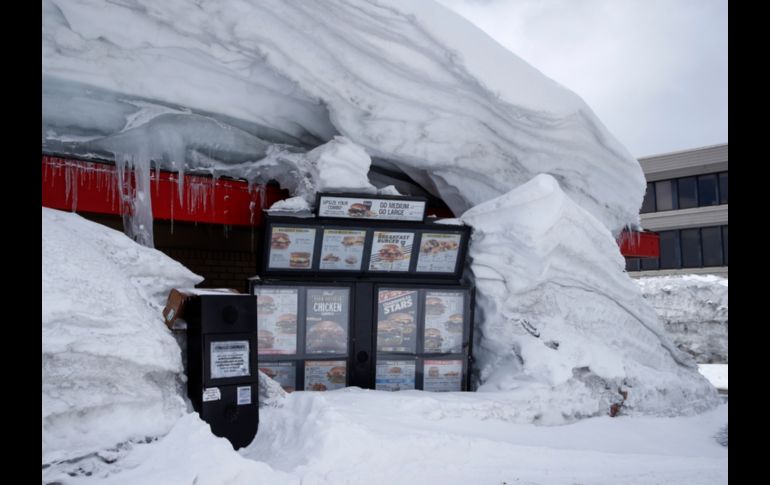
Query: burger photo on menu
433	340
331	257
395	370
351	260
268	372
336	375
353	240
391	252
299	260
454	323
404	321
317	387
360	210
433	372
430	246
265	339
389	334
434	305
280	240
265	305
286	323
327	336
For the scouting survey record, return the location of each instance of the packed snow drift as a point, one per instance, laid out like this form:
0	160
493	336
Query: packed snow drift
694	311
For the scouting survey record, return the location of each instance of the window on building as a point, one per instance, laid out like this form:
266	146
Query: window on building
724	243
649	199
723	188
691	252
665	195
650	264
712	246
670	254
688	192
707	190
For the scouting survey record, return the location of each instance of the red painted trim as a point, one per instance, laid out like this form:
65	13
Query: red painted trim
639	244
76	185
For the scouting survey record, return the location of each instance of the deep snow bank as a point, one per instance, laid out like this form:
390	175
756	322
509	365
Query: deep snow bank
693	310
110	366
558	316
201	84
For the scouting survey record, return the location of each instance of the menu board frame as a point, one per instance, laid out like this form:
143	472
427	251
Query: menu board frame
380	209
422	233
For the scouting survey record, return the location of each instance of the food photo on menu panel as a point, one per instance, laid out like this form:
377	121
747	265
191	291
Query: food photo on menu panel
276	320
397	321
342	249
327	320
443	375
285	373
444	322
325	375
291	247
391	251
438	253
395	375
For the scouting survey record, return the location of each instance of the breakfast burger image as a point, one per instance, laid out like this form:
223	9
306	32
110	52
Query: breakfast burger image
404	321
389	334
317	387
433	340
280	240
336	375
265	339
454	323
299	260
265	305
358	210
327	336
286	323
433	371
391	252
353	241
434	306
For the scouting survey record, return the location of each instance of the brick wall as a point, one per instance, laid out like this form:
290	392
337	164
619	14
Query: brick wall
222	269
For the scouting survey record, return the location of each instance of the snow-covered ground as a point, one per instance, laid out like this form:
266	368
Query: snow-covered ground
694	311
716	374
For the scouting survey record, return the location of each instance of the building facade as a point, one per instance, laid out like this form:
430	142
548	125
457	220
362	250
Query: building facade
686	204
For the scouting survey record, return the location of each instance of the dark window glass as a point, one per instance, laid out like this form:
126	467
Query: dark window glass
691	248
707	190
712	246
670	256
724	242
649	264
664	195
632	264
723	188
648	205
688	193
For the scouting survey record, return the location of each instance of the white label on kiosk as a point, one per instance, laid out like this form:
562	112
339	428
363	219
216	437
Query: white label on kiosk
229	358
372	208
211	394
244	395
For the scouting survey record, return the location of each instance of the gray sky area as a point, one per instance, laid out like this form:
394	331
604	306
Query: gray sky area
654	71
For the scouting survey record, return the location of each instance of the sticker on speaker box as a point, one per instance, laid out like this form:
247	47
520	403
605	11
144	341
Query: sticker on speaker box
211	394
244	395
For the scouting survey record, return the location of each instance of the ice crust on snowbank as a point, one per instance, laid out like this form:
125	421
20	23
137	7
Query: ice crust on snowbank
415	85
556	310
110	366
694	311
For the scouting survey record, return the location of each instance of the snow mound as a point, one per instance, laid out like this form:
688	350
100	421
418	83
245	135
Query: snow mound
228	85
110	366
694	311
557	311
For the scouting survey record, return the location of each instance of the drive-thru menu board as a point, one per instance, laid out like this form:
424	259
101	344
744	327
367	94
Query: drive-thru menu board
285	373
438	252
444	321
357	207
395	375
443	375
292	247
391	251
327	320
397	321
342	249
277	320
325	375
